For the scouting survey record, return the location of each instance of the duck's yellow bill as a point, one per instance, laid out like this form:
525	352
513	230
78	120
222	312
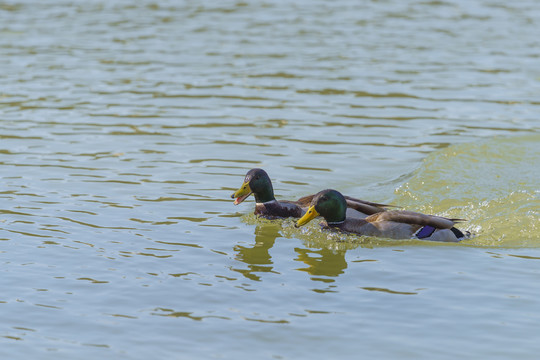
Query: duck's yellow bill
308	216
241	194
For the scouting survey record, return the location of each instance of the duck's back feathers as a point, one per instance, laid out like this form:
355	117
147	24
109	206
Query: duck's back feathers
413	218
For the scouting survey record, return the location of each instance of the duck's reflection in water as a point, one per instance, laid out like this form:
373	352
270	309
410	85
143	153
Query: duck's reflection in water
322	262
258	257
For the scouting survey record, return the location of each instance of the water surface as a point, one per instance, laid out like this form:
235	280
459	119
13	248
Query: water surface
125	127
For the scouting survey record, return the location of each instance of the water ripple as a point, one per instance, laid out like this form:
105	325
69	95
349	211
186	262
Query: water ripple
125	127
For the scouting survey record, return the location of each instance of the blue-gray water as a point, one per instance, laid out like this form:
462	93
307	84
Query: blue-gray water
125	126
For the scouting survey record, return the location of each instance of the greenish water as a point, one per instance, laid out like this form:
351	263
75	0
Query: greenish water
125	127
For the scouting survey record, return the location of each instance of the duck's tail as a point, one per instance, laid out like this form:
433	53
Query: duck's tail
459	234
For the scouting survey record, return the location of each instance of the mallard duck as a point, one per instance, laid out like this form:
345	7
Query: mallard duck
258	183
395	224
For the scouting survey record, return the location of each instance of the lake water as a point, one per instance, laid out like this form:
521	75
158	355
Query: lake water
125	127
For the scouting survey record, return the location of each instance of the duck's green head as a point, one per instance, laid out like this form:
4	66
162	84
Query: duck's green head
257	183
329	204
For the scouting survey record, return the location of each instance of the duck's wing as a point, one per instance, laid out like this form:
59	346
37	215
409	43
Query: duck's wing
414	218
304	201
366	207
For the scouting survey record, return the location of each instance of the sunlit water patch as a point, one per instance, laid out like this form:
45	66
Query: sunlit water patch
494	184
